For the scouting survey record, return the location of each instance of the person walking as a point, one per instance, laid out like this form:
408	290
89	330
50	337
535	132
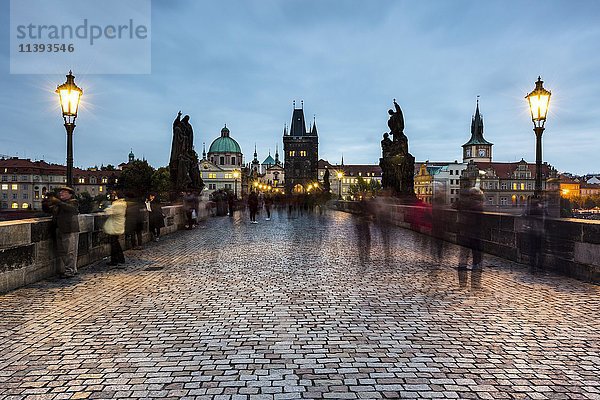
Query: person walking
253	206
134	223
470	206
190	206
64	209
115	227
156	218
268	205
230	203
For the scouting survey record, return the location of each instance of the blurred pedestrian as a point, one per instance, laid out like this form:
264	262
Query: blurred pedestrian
190	207
268	205
114	227
230	203
470	207
134	222
64	209
534	219
253	206
156	218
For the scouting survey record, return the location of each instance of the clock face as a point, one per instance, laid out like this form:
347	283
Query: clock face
481	152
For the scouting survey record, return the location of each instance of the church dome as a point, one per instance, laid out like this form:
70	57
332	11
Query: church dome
224	144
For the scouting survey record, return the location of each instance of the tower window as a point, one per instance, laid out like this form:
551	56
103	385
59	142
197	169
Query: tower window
222	160
302	153
292	153
233	160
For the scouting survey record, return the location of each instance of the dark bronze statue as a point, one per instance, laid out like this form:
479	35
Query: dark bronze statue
183	164
397	164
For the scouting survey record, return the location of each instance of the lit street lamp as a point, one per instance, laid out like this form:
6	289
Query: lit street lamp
539	100
69	95
340	175
236	175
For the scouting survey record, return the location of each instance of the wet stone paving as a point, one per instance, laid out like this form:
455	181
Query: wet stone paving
303	306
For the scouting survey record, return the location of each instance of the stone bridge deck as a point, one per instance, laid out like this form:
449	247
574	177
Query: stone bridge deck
309	307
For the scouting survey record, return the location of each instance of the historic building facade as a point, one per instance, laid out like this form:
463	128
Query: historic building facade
301	154
222	167
23	183
343	176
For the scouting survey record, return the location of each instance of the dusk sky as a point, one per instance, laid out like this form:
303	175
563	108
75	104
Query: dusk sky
243	63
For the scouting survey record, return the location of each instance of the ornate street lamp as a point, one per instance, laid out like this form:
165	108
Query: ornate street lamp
69	95
236	175
340	175
539	100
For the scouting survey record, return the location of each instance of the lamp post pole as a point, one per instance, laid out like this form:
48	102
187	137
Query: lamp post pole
236	175
69	95
340	175
539	100
538	161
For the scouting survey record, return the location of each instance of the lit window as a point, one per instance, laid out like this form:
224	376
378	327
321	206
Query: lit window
14	186
522	186
104	180
212	175
100	189
81	180
228	176
292	153
25	205
14	205
302	153
5	186
514	186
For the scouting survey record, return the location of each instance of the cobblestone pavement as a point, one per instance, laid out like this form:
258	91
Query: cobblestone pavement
303	307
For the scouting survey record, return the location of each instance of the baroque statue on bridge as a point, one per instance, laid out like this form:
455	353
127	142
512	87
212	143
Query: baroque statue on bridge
397	164
183	164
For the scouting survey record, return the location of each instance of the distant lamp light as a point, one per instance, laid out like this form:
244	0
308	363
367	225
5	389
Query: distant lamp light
69	95
539	101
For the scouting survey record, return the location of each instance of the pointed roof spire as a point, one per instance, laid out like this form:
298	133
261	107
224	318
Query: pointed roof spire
294	102
277	154
313	130
477	128
342	159
302	104
285	132
254	150
203	150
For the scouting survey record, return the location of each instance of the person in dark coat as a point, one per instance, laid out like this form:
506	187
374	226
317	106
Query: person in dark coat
230	203
190	206
268	205
253	206
470	206
64	209
156	218
134	223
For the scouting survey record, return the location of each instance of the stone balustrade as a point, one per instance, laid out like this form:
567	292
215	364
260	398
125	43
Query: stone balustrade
569	246
27	247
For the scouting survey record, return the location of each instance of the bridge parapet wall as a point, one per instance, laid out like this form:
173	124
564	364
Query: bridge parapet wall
569	246
27	247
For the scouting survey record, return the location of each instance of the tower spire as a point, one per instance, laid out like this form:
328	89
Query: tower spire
203	150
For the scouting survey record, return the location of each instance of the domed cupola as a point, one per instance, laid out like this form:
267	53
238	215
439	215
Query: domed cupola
225	151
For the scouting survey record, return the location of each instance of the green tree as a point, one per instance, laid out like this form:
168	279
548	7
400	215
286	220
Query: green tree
161	182
109	167
136	178
364	188
86	203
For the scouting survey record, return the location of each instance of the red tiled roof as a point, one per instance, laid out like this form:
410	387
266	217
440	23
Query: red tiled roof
505	170
26	166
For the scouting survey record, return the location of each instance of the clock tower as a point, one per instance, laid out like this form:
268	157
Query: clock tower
477	148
